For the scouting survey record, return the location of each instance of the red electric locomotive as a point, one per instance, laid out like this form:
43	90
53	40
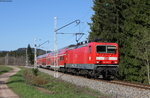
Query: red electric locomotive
92	59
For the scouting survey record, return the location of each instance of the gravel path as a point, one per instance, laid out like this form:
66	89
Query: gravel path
5	92
117	91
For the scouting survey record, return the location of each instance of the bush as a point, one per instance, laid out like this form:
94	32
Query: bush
33	77
35	71
39	80
28	76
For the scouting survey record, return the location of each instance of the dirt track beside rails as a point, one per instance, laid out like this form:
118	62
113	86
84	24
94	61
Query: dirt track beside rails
6	92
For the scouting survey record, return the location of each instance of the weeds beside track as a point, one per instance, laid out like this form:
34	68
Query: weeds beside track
52	88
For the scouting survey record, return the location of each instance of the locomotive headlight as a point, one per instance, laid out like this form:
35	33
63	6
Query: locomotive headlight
112	58
99	58
97	62
114	62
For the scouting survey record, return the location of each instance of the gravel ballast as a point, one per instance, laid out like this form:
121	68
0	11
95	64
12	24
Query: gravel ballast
117	91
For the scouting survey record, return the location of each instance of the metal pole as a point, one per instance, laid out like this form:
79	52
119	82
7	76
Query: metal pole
26	57
46	57
56	44
35	53
6	59
55	48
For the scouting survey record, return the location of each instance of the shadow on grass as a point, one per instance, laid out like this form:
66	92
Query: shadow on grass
3	71
15	81
17	75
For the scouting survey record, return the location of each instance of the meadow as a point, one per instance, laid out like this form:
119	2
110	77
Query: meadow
30	83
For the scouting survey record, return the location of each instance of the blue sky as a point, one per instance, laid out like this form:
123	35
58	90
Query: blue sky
21	21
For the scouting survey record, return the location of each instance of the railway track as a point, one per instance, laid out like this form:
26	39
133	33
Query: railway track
118	89
124	83
119	82
136	85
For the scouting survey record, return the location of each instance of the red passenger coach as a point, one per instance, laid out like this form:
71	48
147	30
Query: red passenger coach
42	60
91	59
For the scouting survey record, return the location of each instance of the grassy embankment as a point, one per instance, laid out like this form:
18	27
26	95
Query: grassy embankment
33	84
4	69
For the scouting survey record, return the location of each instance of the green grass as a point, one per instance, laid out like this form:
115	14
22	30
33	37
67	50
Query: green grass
54	88
4	69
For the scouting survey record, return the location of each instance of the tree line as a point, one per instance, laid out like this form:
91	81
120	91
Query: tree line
126	22
21	56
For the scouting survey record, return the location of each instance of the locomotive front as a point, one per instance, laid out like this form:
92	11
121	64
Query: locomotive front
106	59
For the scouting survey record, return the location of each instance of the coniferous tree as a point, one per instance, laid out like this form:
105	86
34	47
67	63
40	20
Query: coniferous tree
137	30
107	20
30	55
128	23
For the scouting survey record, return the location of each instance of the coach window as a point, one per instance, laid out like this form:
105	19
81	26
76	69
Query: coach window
90	49
61	58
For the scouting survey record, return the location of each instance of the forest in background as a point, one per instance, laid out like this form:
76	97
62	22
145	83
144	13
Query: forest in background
126	22
18	57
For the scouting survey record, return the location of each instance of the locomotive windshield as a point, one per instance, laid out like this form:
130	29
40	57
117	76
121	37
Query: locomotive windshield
106	49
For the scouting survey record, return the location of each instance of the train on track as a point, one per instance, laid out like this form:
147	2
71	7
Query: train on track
92	59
